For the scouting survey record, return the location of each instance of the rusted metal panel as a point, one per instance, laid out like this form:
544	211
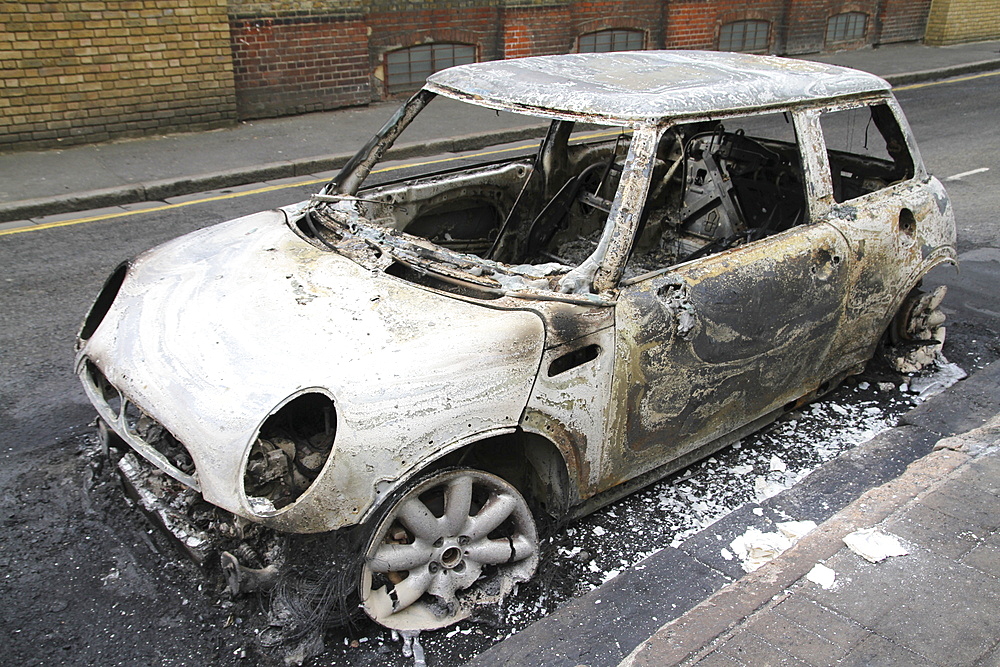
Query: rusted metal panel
571	406
711	345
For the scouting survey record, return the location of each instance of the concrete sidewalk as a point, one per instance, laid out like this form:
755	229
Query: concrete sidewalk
933	482
936	605
43	183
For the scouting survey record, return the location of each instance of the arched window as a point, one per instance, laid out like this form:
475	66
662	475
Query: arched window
847	27
407	68
745	36
617	39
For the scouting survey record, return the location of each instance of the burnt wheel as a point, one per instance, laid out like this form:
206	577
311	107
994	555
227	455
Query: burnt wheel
452	540
917	332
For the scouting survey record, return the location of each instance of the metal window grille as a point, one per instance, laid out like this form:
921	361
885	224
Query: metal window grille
604	41
744	36
406	69
847	27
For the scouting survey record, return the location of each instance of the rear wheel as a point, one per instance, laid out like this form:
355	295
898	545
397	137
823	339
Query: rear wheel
916	334
452	540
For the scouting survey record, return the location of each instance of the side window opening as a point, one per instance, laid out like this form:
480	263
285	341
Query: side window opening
717	185
867	150
581	181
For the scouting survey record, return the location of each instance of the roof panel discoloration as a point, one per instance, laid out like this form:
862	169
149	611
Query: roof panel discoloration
643	87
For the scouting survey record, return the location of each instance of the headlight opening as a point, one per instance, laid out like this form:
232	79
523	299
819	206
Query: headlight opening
291	449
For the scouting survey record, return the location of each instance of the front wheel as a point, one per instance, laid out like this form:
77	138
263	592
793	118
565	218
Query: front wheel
452	540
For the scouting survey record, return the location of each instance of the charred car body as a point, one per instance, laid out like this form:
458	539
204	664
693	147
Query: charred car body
701	242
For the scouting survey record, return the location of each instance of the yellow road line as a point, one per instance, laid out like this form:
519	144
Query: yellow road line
957	79
234	195
273	188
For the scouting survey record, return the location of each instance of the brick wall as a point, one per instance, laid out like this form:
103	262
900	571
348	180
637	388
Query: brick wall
957	21
903	20
74	72
396	25
283	50
532	29
695	24
295	64
808	19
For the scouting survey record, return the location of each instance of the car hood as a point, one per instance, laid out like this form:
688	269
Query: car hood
212	331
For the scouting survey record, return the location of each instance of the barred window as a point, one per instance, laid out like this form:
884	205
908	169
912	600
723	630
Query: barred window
604	41
406	69
847	27
745	36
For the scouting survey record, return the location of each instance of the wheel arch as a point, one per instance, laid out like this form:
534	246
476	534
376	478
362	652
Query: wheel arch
530	462
940	257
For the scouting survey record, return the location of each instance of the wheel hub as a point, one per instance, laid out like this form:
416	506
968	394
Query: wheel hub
450	557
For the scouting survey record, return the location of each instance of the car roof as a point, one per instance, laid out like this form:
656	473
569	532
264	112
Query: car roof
638	88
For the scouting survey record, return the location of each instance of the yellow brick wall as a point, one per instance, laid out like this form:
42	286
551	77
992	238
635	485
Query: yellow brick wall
73	72
958	21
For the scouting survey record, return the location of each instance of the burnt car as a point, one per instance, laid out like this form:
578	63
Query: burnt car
700	243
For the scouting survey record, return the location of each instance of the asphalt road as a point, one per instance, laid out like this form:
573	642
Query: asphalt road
51	275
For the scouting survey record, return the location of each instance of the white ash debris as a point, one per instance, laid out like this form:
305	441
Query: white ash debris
873	545
766	488
822	576
935	379
411	646
754	548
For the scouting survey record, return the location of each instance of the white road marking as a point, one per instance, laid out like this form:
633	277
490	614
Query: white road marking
958	177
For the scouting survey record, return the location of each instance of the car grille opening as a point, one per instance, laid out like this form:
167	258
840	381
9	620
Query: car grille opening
138	424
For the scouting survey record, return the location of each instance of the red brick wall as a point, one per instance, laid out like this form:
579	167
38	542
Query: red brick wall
797	26
898	21
394	28
690	25
296	64
904	20
695	24
301	55
534	30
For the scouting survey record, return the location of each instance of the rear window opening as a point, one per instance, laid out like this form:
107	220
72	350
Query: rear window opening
866	149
